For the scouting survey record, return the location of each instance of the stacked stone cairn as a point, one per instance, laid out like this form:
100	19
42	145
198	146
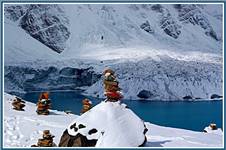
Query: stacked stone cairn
18	104
213	126
87	105
46	140
111	86
43	104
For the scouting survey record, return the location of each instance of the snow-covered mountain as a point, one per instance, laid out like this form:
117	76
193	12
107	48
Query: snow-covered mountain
24	128
170	51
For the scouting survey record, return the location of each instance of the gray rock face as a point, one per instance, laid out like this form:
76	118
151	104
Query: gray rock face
46	23
192	14
167	22
14	12
51	78
169	25
146	27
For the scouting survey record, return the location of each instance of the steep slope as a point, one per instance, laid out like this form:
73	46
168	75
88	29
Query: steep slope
107	25
175	47
19	46
44	22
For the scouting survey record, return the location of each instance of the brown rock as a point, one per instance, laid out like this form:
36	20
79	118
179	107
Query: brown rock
18	104
75	141
213	126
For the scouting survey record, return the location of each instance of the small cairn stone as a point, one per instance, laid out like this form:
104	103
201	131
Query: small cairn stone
213	126
43	104
111	86
87	105
210	128
18	104
46	140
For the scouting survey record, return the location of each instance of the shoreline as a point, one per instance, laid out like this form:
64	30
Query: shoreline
81	92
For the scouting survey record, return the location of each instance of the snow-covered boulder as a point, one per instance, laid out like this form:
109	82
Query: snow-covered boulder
108	124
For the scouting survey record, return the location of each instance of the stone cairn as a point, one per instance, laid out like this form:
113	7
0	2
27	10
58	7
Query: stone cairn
111	86
18	104
46	140
213	126
43	104
87	105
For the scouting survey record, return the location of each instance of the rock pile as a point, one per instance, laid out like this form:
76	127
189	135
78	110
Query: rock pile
46	141
18	104
43	104
111	86
87	105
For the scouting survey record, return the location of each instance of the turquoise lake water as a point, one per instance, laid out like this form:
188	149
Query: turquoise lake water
187	115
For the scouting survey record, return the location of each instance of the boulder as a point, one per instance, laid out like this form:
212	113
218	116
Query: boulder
108	124
79	140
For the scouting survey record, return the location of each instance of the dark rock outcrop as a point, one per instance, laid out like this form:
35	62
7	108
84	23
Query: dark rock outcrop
192	14
167	22
187	97
215	96
169	25
14	12
45	22
79	140
146	27
144	94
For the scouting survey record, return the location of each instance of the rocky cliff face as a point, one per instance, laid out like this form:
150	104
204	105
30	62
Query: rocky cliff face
49	24
51	78
166	22
46	23
192	14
